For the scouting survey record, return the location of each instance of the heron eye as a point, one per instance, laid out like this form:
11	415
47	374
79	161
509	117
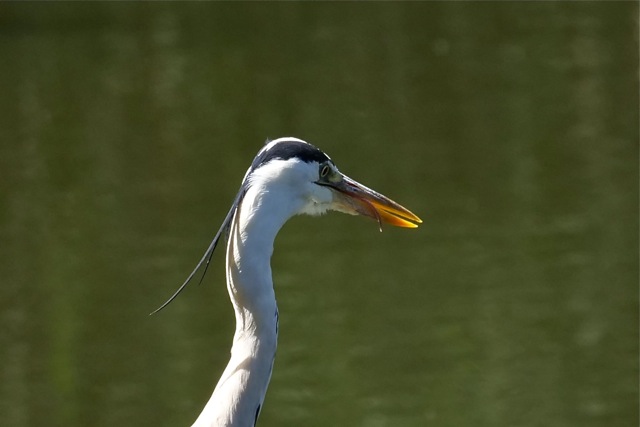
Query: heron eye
324	171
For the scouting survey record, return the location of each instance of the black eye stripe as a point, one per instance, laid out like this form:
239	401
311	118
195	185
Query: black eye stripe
287	149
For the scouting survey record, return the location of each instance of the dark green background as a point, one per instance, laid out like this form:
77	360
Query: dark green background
510	128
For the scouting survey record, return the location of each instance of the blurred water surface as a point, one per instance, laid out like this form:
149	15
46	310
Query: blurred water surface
510	128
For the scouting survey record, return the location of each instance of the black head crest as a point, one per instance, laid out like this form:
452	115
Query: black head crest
287	148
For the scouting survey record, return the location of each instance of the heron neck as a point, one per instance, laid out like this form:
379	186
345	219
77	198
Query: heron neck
238	396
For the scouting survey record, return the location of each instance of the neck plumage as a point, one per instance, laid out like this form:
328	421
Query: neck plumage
239	394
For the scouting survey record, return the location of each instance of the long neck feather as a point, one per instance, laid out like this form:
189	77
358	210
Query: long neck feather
239	394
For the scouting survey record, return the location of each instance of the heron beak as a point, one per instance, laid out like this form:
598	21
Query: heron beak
356	199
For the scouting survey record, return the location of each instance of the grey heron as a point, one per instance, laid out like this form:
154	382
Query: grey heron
287	177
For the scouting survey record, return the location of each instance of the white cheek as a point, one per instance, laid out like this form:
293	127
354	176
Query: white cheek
319	200
321	195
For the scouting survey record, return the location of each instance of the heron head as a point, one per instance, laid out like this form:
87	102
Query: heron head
312	178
